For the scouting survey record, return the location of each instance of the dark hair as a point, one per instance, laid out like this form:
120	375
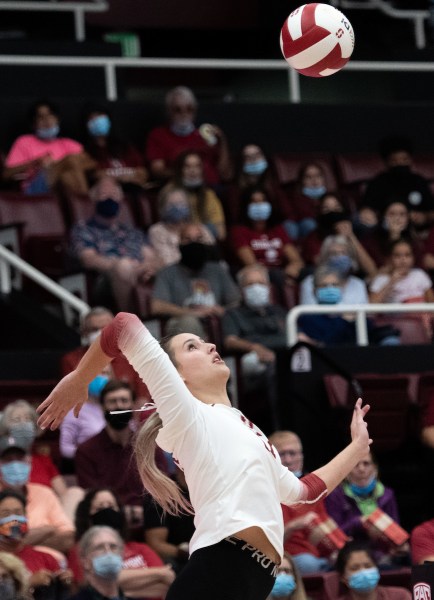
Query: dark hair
82	519
400	240
305	166
394	143
345	553
201	191
13	494
116	384
115	146
245	200
33	110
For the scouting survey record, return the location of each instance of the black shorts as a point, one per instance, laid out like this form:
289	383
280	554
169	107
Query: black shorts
229	570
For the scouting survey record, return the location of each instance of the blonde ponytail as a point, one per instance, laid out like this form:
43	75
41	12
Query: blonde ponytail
163	489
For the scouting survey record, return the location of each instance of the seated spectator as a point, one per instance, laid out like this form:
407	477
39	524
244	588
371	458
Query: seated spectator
113	156
41	160
47	521
338	254
260	239
194	288
398	183
422	543
165	144
256	329
169	535
13	578
19	422
101	550
117	252
301	209
142	569
359	573
174	210
361	493
106	459
43	569
289	584
307	557
205	206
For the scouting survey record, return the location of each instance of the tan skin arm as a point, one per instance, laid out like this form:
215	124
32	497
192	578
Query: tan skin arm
159	169
246	255
48	535
148	581
294	260
237	344
12	172
427	436
90	259
59	486
157	539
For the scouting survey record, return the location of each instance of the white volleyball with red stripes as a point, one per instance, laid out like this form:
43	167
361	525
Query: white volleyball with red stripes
317	40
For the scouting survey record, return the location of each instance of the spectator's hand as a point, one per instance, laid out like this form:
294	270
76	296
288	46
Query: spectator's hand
292	271
46	160
43	577
298	523
264	354
218	132
201	311
359	427
69	393
368	217
66	576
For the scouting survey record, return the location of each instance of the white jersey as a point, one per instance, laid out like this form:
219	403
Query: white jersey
234	475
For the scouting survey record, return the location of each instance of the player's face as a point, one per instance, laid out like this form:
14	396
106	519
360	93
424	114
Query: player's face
197	360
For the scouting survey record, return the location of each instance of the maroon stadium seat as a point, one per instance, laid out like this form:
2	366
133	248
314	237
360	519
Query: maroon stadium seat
287	166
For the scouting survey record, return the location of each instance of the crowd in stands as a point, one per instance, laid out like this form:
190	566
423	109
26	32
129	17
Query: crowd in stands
226	249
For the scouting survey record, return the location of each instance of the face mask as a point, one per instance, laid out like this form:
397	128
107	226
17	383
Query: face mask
118	422
15	473
363	490
314	192
107	566
48	133
93	336
13	527
108	516
194	255
329	295
7	590
107	208
259	211
365	580
255	168
284	585
100	125
182	129
298	474
176	214
192	183
97	385
256	295
342	264
23	433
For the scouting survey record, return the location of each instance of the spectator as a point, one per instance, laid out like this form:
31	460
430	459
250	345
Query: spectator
19	422
398	183
422	543
49	524
306	556
45	571
289	584
164	144
338	254
194	288
174	210
358	571
41	160
143	572
169	535
358	497
117	252
256	329
13	578
205	206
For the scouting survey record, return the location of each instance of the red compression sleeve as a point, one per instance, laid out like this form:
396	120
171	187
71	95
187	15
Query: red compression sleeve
315	488
110	334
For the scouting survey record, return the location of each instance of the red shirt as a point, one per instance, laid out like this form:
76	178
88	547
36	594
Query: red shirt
267	246
43	470
35	560
422	541
298	542
163	144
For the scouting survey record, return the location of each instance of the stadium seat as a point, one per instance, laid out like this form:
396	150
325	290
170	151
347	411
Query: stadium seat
423	164
354	171
32	390
412	328
287	166
322	586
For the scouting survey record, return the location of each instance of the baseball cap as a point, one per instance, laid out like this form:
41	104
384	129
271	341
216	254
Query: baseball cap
7	442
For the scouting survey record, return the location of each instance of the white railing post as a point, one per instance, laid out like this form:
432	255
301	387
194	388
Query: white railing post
110	81
294	86
361	329
80	32
5	277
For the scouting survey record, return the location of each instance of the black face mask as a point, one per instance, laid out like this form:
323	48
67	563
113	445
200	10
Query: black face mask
194	255
108	516
107	208
119	421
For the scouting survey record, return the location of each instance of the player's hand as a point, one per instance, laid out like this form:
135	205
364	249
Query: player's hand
359	427
69	393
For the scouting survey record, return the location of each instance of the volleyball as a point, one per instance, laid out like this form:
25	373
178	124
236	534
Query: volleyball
317	40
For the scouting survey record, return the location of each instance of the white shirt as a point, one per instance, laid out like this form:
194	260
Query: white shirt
234	475
411	287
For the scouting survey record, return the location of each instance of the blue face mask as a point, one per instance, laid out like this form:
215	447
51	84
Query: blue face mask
365	580
176	213
15	472
107	208
107	566
363	490
48	133
182	129
341	263
329	295
298	474
314	192
97	385
255	168
99	125
259	211
23	433
284	585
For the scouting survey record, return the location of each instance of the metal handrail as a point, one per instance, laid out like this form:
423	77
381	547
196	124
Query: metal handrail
78	8
360	310
8	259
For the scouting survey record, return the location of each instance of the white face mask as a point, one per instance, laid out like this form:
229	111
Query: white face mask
256	295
